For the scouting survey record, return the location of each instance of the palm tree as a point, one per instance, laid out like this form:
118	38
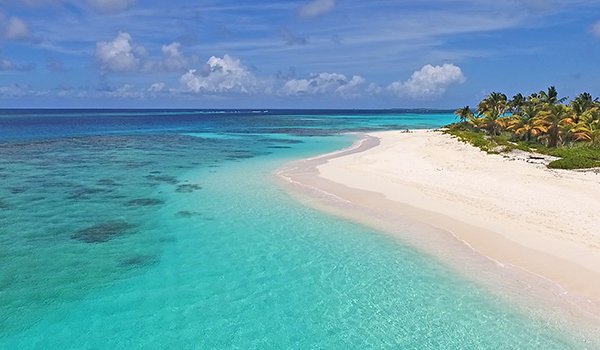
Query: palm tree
517	103
493	108
464	114
550	97
582	104
588	131
588	128
553	119
527	123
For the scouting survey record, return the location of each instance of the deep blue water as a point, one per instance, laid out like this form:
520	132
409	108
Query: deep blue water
130	229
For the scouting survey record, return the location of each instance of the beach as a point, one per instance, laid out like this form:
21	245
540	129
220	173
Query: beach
507	208
111	231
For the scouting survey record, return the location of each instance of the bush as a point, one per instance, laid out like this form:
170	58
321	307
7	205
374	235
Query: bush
574	162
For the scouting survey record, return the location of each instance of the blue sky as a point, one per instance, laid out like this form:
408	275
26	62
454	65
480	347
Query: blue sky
292	53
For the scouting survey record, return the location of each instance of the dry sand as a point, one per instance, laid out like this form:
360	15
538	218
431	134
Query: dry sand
506	208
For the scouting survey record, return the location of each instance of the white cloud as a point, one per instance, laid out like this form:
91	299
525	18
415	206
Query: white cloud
110	6
174	59
16	29
124	92
157	87
316	8
8	65
596	29
221	75
323	83
429	81
119	55
18	90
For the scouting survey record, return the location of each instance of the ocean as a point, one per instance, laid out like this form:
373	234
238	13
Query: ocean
164	229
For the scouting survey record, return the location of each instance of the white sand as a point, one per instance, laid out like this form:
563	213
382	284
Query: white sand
515	212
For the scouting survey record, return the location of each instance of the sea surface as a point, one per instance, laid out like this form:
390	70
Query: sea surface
164	229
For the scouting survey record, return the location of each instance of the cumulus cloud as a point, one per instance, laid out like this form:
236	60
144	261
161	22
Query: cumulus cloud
126	91
323	83
16	29
120	54
110	6
316	8
596	29
430	81
18	90
157	87
8	65
221	75
174	59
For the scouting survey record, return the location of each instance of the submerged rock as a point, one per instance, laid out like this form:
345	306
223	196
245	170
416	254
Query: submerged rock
138	260
144	202
103	232
163	178
85	193
107	182
18	189
187	214
188	188
3	204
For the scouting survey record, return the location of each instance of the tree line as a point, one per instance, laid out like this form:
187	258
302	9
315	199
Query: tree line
541	117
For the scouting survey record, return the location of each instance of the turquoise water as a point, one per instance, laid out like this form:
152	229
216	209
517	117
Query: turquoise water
166	230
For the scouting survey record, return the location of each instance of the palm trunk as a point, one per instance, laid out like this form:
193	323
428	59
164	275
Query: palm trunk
553	141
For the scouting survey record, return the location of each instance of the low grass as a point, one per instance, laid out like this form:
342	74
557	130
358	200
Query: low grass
581	156
492	145
574	157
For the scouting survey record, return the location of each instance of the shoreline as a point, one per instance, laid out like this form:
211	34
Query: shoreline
338	184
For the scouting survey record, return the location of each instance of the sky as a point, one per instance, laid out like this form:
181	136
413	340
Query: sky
292	53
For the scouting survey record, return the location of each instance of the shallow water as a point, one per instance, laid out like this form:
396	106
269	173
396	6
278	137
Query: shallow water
148	229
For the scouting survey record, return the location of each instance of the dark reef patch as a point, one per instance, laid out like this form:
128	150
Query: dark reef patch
3	204
163	178
136	164
18	189
83	193
138	260
279	147
144	202
188	188
107	182
234	155
285	141
103	232
187	214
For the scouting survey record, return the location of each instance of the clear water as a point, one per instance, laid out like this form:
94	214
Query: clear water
164	229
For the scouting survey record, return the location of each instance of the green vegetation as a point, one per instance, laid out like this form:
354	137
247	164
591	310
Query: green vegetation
541	122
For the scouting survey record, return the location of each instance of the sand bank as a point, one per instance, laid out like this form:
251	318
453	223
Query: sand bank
517	214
